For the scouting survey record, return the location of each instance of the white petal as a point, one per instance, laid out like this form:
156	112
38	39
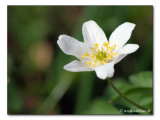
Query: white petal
105	71
121	34
119	58
127	49
76	66
71	46
92	34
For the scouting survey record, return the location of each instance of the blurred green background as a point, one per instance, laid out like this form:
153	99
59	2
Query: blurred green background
37	82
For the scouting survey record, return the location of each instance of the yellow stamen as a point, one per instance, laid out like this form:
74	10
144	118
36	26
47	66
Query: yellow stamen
106	59
100	56
102	62
93	52
102	48
95	61
87	54
92	56
95	46
104	44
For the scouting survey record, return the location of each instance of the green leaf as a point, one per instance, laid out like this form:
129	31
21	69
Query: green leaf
143	79
101	106
141	96
138	90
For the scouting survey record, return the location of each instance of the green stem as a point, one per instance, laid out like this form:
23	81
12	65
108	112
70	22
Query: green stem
135	104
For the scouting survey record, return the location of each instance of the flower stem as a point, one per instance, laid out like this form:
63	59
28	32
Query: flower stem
135	104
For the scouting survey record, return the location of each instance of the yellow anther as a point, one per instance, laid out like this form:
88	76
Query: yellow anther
106	59
93	51
95	46
102	48
104	44
100	55
109	56
95	61
92	56
87	54
102	62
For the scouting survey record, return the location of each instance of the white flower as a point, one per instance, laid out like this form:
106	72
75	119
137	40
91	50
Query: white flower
96	53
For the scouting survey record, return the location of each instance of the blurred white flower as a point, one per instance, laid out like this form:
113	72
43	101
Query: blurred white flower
96	53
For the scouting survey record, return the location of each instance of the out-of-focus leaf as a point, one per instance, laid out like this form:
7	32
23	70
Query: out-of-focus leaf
27	25
121	84
33	32
101	106
15	102
138	90
143	79
141	96
84	91
9	65
57	93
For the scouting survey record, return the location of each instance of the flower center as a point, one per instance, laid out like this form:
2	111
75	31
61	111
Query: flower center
100	56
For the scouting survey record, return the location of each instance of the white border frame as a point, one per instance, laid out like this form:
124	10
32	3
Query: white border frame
3	58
